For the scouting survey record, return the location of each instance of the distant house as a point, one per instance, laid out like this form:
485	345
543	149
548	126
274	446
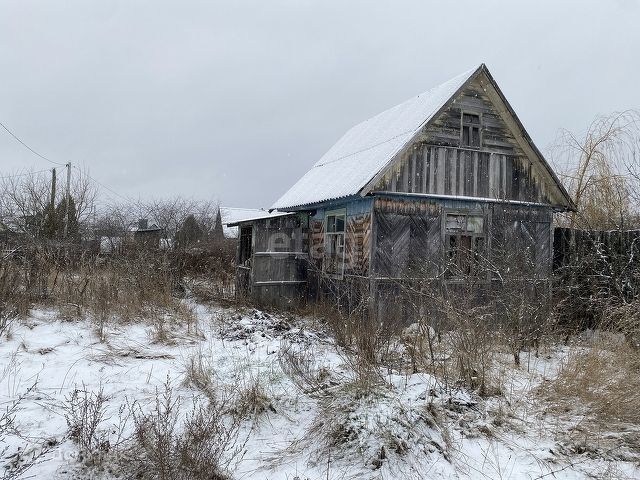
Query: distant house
142	233
437	187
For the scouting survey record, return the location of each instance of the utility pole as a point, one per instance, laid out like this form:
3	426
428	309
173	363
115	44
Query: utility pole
66	209
53	189
49	219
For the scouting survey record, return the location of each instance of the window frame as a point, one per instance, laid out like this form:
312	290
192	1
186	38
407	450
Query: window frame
471	126
474	254
341	212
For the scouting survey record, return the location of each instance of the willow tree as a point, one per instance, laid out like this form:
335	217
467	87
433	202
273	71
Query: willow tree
602	171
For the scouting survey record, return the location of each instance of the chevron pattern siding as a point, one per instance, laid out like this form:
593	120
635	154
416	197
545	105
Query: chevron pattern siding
358	244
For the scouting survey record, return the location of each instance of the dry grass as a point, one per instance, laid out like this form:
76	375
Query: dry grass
604	377
201	375
603	372
253	399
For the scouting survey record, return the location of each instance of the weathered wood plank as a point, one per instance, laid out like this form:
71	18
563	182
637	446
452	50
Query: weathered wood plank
441	170
412	177
491	178
425	169
453	172
432	170
405	178
461	172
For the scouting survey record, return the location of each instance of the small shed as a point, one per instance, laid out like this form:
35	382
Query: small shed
272	257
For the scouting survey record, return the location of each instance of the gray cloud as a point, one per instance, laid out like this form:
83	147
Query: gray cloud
236	100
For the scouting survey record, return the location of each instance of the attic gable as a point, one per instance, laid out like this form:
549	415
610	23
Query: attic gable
371	154
504	165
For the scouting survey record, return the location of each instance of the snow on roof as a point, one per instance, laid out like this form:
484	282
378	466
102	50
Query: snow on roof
368	147
232	216
150	228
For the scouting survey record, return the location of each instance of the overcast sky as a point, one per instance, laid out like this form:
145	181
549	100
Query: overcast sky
236	100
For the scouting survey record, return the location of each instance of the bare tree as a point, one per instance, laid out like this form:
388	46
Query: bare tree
84	193
23	201
28	202
171	213
602	171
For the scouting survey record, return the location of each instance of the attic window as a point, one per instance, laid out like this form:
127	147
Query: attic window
471	130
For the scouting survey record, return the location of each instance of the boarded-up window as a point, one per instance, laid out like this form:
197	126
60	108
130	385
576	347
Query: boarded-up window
334	243
470	130
465	243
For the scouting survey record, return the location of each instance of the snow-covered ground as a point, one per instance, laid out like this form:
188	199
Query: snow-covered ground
410	427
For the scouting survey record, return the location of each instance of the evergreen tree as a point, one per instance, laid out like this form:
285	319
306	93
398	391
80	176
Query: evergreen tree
73	228
190	232
218	232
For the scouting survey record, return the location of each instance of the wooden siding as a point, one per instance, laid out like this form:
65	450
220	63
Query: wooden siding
278	273
316	228
438	164
409	237
495	134
358	244
522	240
463	172
357	236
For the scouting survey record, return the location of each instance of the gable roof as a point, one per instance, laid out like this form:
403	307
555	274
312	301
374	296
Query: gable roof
369	147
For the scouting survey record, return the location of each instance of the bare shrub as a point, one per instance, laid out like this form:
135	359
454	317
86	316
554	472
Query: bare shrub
84	413
202	446
473	349
362	343
455	336
10	296
418	340
18	463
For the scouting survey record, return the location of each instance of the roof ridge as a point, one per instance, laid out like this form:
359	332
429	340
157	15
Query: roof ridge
399	106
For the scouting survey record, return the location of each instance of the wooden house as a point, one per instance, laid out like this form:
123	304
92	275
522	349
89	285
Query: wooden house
144	235
445	186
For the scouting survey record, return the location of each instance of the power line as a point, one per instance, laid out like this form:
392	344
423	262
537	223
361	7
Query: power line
103	185
23	174
141	206
28	147
55	163
138	204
